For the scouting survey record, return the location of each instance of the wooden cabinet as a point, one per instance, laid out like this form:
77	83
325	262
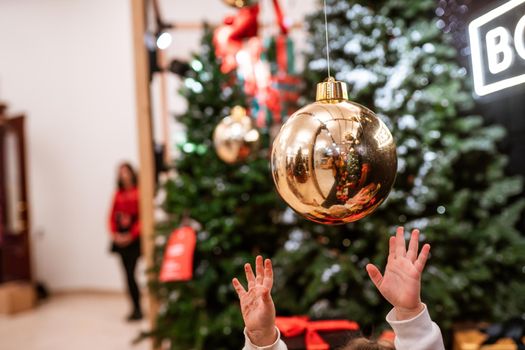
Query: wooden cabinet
15	262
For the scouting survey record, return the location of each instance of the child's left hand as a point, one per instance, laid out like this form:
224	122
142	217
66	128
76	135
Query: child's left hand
401	282
258	310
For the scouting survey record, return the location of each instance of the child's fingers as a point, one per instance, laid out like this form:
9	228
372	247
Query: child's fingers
250	277
268	274
392	248
413	245
400	242
259	270
422	258
238	287
375	274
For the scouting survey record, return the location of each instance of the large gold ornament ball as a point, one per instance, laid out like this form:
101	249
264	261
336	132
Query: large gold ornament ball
235	138
334	161
240	3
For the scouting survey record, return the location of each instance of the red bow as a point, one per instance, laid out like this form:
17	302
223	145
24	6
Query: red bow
228	38
294	326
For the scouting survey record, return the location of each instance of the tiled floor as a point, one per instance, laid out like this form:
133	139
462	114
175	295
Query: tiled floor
76	322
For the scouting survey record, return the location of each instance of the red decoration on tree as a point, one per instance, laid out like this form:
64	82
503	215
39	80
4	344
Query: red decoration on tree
267	72
278	98
228	38
280	17
177	264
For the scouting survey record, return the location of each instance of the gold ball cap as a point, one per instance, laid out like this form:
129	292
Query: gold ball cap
238	113
331	90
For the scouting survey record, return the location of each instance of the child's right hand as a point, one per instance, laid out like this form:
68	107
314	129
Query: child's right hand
401	283
258	310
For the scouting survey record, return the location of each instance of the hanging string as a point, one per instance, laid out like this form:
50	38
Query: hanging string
326	33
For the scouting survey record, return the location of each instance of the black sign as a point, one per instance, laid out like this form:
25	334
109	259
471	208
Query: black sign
497	45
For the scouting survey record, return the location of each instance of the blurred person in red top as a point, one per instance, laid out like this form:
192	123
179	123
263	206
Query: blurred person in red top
124	225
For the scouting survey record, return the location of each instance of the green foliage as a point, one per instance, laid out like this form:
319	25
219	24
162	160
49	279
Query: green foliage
451	184
236	205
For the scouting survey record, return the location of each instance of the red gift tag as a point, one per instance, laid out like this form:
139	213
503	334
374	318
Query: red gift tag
177	264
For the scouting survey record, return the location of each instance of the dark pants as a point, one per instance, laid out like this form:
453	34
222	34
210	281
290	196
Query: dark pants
129	256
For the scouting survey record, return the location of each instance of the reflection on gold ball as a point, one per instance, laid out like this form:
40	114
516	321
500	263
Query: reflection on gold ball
240	3
334	161
235	138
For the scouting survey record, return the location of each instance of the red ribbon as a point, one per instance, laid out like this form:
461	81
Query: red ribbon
294	326
280	17
282	53
388	335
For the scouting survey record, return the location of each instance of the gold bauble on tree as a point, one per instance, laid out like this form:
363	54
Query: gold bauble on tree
235	138
334	161
240	3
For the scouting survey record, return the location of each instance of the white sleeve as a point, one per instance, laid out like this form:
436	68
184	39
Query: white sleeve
278	345
418	333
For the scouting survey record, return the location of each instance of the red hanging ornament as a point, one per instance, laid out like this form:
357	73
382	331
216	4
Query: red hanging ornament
177	264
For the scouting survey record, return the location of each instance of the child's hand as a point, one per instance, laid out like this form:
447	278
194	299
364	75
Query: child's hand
257	306
122	239
401	283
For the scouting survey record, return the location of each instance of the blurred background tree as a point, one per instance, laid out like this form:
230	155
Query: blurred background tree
451	184
451	180
235	204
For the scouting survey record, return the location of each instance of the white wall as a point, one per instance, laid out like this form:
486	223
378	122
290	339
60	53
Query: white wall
68	65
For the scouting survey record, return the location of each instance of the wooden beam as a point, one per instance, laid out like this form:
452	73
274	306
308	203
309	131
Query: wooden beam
200	26
145	142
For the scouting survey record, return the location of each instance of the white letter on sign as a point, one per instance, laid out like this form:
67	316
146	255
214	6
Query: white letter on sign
498	42
518	37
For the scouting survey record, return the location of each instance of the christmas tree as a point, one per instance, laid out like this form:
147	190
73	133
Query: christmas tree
451	185
235	204
451	182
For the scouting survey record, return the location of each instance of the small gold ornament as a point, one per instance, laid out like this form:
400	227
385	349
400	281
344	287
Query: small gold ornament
235	138
334	161
240	3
